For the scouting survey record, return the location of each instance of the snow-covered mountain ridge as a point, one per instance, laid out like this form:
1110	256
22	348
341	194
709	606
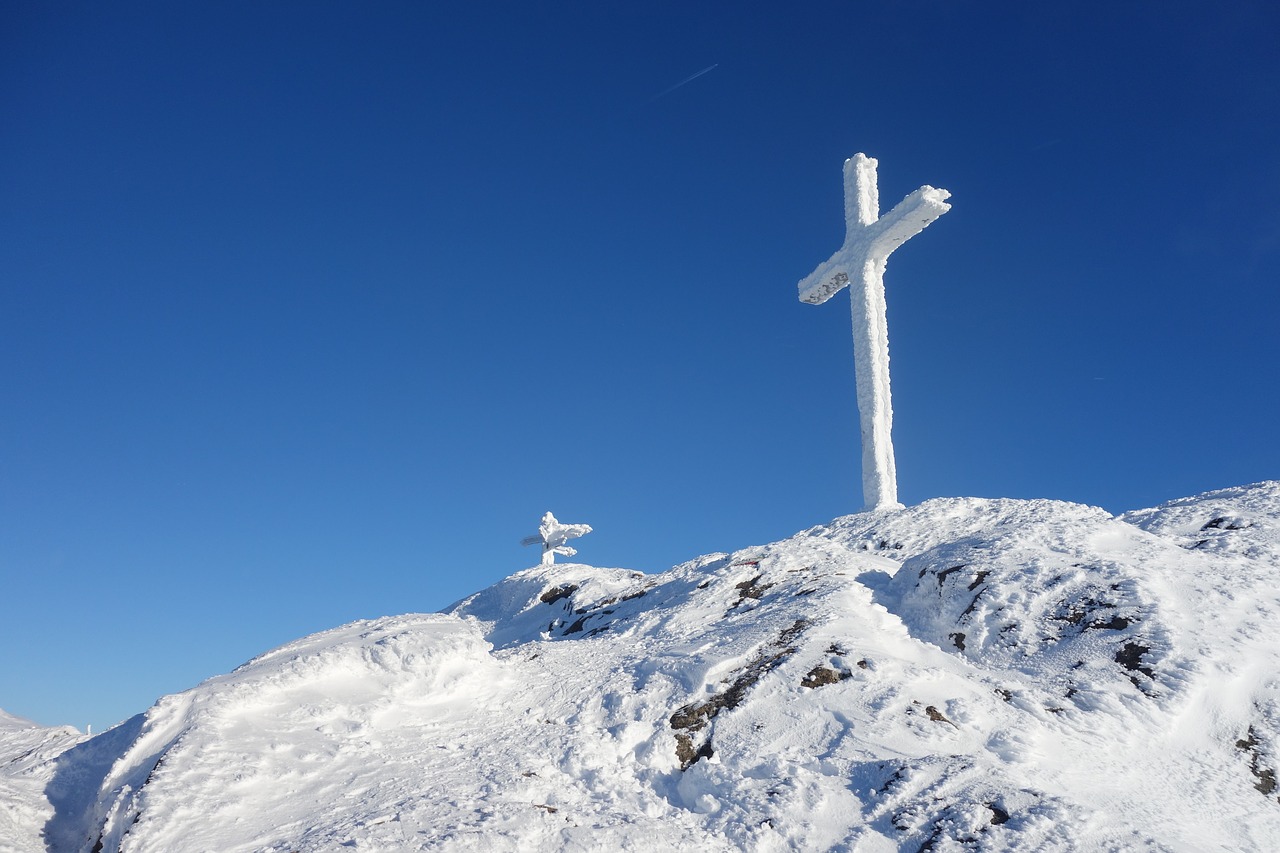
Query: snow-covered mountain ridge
960	675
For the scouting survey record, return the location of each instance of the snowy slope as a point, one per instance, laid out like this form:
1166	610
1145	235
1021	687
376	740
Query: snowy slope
963	674
27	755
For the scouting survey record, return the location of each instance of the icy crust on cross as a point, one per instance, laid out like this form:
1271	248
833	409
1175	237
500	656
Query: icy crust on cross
870	238
553	535
860	264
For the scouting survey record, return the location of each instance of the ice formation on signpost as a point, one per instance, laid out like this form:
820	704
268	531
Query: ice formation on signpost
859	263
553	535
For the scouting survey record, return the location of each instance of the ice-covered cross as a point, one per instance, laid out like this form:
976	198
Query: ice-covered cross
552	534
869	240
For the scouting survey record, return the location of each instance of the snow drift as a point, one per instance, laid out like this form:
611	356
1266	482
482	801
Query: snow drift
963	674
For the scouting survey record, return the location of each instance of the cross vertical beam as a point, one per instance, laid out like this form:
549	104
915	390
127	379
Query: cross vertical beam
860	264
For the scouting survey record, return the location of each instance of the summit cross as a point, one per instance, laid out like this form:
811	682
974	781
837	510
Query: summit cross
869	240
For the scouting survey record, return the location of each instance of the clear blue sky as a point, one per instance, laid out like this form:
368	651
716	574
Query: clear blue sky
308	311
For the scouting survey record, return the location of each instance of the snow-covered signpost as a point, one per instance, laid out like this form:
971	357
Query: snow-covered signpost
859	263
552	534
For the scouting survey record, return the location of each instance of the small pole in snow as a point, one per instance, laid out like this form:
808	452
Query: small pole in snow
553	535
869	240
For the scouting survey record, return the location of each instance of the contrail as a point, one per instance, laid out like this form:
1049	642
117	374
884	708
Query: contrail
688	79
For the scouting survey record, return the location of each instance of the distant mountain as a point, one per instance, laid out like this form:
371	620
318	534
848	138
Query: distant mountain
960	675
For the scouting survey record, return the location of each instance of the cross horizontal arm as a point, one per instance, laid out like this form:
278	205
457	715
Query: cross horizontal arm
873	241
907	219
826	281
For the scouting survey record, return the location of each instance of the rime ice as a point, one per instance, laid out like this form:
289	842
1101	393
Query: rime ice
860	263
553	535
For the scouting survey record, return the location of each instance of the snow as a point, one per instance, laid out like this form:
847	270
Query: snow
860	263
962	674
28	755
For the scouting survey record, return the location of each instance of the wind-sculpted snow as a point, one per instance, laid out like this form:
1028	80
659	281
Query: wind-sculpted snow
961	675
1239	522
27	755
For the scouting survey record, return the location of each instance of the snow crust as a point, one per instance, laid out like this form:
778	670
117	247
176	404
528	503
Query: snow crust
965	674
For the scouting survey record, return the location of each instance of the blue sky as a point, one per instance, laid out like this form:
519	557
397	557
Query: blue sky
308	311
